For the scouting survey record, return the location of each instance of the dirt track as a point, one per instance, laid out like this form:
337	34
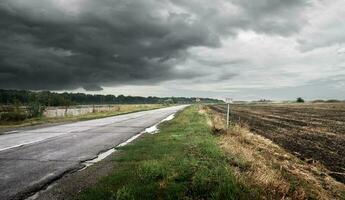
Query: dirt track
314	132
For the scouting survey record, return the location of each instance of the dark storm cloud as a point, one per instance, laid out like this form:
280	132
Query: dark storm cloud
45	44
108	42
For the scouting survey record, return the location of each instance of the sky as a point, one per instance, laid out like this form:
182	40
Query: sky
244	49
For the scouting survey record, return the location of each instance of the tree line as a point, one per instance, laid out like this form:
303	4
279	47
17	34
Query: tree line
47	98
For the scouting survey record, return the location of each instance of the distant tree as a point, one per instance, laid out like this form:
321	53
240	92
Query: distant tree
333	101
35	109
168	102
300	100
47	98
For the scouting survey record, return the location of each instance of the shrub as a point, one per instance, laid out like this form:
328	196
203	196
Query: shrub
168	102
35	109
13	116
300	100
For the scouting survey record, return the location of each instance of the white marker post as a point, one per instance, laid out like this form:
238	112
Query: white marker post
228	101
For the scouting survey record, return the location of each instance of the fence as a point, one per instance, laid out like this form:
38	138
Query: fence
78	110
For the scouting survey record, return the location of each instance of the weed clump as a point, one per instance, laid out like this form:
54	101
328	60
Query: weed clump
123	193
151	170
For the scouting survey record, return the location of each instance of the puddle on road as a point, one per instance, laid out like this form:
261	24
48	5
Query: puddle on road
100	157
170	117
154	129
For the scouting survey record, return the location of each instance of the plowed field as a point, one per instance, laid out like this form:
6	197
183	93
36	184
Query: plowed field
314	132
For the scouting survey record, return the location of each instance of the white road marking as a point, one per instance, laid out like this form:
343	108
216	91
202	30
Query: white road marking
15	131
19	145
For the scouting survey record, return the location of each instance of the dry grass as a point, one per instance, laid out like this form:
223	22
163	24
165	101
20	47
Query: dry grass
269	169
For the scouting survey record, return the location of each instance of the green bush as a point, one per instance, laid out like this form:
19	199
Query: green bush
300	100
35	109
13	116
168	102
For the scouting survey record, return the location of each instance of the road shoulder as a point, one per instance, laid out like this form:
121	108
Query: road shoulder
70	185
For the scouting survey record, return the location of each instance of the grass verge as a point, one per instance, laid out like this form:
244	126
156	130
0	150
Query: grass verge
122	109
182	161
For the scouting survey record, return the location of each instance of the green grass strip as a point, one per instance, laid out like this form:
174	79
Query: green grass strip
182	161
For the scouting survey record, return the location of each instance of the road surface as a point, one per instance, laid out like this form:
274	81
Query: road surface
31	159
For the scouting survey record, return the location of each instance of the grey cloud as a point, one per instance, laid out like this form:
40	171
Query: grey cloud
326	28
104	43
112	42
274	16
278	17
226	76
222	63
324	38
93	87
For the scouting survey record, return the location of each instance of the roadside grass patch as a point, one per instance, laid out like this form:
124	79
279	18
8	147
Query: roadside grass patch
183	161
21	120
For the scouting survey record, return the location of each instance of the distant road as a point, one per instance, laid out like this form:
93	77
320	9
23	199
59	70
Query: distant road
31	159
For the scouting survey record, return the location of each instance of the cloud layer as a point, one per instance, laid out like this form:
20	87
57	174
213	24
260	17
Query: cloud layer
60	44
47	44
229	47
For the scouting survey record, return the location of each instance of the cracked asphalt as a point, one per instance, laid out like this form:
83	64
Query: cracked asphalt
31	159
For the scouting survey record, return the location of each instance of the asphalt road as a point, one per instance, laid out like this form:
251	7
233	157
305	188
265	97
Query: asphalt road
31	159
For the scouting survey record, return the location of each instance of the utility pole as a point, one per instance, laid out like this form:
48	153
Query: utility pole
228	101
